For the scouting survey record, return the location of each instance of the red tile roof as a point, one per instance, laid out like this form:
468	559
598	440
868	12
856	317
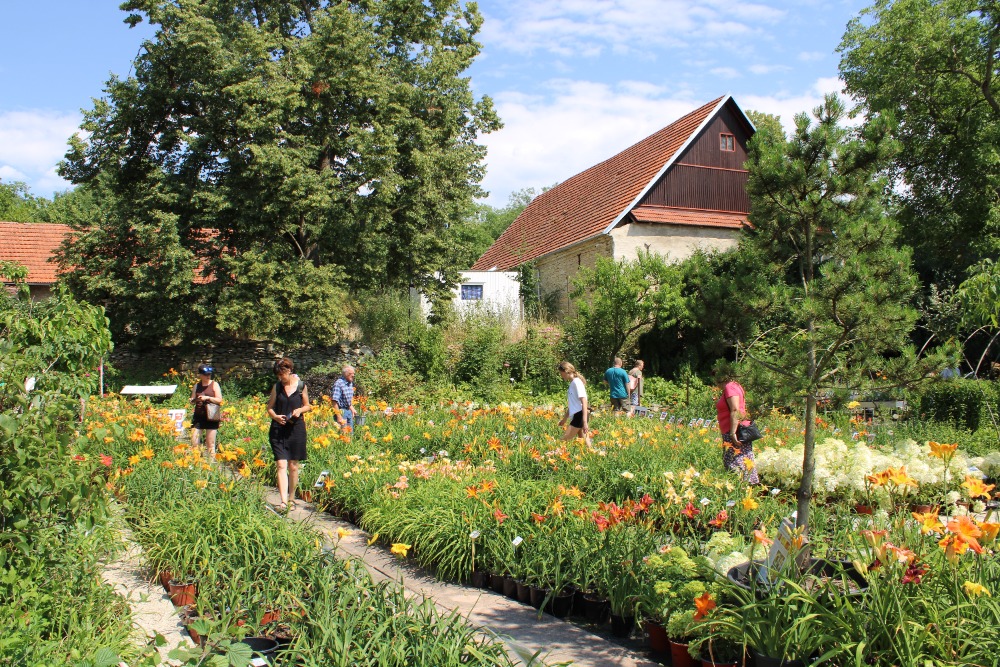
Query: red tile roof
686	216
33	244
586	204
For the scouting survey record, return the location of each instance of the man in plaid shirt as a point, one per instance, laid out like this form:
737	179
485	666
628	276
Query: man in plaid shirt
343	395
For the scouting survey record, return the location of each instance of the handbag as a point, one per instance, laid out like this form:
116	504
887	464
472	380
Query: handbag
213	412
749	432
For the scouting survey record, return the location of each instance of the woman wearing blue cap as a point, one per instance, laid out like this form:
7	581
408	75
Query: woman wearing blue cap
207	399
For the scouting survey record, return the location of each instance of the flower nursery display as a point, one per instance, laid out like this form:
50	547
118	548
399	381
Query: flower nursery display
642	520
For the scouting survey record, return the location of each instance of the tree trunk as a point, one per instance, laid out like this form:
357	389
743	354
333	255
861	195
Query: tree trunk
808	462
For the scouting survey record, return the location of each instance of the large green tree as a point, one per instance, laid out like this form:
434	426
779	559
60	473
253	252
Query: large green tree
933	64
617	302
336	133
833	285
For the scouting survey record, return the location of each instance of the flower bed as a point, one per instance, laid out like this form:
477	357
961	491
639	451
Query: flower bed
468	489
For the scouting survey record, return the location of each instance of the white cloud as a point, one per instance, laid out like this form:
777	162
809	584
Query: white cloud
31	143
590	27
768	69
575	124
725	72
8	173
811	56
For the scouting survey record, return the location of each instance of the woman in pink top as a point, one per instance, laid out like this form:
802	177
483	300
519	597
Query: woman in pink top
731	410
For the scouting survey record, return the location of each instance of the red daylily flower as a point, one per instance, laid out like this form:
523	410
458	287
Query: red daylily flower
719	520
690	511
106	460
914	573
499	515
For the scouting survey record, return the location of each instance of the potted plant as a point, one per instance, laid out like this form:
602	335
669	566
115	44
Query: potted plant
679	629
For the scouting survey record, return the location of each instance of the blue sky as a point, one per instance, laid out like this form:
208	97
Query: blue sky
574	81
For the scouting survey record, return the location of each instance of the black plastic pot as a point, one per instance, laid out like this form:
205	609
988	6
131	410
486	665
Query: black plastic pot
262	646
745	575
537	596
510	587
523	593
767	661
479	579
594	609
621	626
496	583
561	604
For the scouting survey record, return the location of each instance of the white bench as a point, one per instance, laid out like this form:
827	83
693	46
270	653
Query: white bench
148	390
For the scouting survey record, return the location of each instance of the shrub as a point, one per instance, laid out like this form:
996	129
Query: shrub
958	402
385	318
533	359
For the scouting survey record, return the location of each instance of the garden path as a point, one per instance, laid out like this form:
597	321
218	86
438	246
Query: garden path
556	641
151	607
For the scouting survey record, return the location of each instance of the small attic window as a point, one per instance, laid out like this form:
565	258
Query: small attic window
727	142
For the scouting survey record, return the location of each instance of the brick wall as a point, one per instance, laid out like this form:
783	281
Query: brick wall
557	270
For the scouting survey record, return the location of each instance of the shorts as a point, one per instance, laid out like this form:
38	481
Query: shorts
635	400
619	404
576	421
202	423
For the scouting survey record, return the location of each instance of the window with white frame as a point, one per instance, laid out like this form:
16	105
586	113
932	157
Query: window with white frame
472	293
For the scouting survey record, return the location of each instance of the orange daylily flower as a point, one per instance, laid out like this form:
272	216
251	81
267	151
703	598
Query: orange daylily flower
929	522
976	487
499	515
899	477
966	530
703	604
761	537
557	507
538	518
953	547
989	532
941	450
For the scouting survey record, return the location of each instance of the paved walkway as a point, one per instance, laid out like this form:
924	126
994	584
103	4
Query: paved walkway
152	610
557	642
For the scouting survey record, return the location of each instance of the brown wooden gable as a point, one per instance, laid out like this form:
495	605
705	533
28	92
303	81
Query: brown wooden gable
704	177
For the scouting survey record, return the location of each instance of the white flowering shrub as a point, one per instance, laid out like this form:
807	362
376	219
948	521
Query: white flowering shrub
841	467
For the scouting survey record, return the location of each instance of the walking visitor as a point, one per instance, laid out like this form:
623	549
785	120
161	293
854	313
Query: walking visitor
343	396
635	396
618	381
289	400
206	395
576	419
731	409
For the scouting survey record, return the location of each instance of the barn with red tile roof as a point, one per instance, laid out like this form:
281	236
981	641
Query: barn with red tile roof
33	245
678	189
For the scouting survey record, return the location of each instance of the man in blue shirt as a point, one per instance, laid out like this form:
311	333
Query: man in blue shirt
618	380
343	396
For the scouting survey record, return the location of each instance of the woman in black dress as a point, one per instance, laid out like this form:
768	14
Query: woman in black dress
205	391
289	400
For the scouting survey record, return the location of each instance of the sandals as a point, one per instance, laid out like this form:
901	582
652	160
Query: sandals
281	508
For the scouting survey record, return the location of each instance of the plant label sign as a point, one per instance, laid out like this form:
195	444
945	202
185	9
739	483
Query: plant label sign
177	417
789	542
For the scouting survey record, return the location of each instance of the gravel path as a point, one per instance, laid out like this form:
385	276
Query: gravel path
152	610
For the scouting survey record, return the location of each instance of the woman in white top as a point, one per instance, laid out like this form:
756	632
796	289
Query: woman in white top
576	409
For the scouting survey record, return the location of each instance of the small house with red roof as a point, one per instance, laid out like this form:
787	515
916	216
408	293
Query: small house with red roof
679	189
34	245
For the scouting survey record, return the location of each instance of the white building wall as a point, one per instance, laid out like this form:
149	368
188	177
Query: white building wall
673	242
500	290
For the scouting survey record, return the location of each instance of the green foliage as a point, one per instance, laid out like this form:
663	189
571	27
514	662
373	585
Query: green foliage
288	303
481	361
328	142
469	238
17	204
932	64
384	317
533	359
616	302
961	403
688	394
52	502
833	289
